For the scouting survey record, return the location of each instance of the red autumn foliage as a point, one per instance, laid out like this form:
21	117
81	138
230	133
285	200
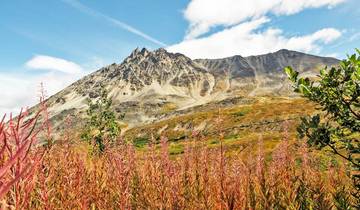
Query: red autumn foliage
67	176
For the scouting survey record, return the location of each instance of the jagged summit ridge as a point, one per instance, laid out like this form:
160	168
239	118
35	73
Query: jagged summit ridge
145	74
148	84
158	53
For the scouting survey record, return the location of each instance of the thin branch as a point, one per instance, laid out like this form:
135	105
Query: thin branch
343	156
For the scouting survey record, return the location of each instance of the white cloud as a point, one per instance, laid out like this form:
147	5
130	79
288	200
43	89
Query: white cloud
21	90
205	14
332	55
244	39
244	30
26	92
14	91
43	62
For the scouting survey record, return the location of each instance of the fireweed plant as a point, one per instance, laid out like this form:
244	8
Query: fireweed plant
67	176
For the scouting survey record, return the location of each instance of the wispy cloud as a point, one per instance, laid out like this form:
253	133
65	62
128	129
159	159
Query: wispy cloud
354	37
44	62
87	10
351	37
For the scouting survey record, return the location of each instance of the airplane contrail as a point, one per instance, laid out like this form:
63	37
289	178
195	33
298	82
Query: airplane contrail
82	8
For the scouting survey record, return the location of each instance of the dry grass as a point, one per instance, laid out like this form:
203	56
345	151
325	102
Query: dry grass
66	175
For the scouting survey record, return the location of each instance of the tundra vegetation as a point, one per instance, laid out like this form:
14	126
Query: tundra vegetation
107	171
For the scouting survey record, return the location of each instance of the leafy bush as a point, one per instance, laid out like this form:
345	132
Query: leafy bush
140	142
101	127
338	95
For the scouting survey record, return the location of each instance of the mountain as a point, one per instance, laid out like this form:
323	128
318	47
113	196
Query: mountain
152	85
264	73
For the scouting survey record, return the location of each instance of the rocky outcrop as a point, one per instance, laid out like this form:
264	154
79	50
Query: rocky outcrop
146	82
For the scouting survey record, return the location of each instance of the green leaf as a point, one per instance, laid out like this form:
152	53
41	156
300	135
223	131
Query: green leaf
292	75
304	89
322	72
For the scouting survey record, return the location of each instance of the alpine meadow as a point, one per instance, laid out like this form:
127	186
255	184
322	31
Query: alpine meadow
232	104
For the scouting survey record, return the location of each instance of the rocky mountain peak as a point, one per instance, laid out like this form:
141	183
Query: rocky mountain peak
146	82
137	54
134	52
284	51
161	51
143	71
144	51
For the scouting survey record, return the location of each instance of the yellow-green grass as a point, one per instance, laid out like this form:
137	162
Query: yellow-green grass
242	126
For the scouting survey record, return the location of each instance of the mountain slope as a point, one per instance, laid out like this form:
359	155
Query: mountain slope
149	86
266	71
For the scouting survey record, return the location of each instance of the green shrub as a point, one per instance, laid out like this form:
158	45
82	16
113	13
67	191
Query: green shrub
101	124
337	93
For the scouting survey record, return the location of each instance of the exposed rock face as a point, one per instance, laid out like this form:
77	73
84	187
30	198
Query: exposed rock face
266	71
149	85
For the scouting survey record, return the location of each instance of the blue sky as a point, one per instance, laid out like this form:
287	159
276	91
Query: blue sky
58	41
